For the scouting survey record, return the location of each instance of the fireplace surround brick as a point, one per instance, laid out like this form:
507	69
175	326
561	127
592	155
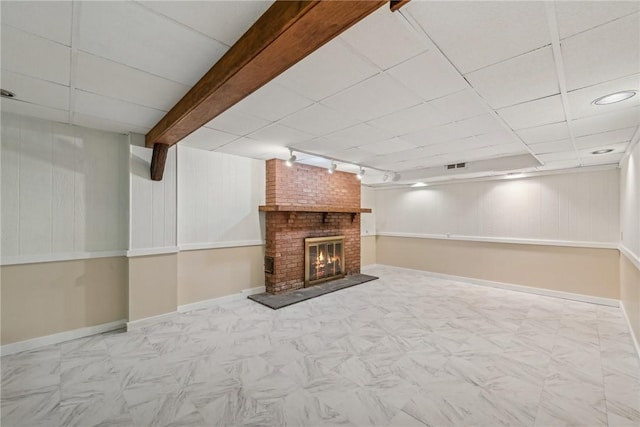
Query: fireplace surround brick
304	185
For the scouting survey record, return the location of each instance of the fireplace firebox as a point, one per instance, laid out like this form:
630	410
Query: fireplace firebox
323	259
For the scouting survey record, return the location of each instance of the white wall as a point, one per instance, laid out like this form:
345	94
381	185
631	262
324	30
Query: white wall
64	191
571	207
630	202
153	203
368	220
218	198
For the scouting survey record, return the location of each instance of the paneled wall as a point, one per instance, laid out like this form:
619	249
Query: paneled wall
565	208
630	202
65	191
153	203
218	198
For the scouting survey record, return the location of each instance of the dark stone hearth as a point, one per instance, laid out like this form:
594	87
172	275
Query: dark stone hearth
282	300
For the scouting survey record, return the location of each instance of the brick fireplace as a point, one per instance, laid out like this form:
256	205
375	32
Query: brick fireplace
304	202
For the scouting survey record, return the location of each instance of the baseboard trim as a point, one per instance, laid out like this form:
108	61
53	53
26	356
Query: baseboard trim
519	288
146	321
60	337
185	308
631	331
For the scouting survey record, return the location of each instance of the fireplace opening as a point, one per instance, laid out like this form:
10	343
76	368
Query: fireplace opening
324	259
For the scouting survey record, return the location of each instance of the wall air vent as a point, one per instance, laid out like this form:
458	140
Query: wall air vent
456	166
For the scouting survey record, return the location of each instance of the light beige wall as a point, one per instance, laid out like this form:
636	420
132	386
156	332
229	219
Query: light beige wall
212	273
585	271
367	250
630	293
152	285
47	298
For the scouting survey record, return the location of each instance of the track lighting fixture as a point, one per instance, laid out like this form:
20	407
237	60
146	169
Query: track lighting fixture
292	158
332	168
360	173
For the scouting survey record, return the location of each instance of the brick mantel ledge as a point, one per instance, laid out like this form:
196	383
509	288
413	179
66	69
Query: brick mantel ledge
311	208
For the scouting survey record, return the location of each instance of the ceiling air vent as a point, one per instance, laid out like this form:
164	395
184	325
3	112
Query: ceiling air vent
456	166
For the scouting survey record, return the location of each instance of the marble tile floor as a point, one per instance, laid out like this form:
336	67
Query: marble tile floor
405	350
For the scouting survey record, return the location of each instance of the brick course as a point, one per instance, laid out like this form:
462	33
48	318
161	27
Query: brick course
286	231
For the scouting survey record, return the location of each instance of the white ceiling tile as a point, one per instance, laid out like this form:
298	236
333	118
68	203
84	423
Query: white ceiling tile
581	100
545	133
328	70
476	34
378	96
33	110
460	105
254	149
126	83
318	120
534	113
133	35
36	91
557	157
115	110
507	149
603	53
355	155
606	159
429	75
237	123
577	16
34	56
603	122
272	102
225	21
360	134
437	135
481	124
280	135
393	145
498	138
552	147
48	19
323	145
100	123
413	119
605	138
523	78
207	139
385	38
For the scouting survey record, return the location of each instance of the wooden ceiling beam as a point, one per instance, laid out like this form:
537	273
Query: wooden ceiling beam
397	4
286	33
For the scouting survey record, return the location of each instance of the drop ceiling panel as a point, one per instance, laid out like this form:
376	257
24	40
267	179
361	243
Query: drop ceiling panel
615	120
48	19
385	39
429	75
581	100
34	56
413	119
272	102
36	91
481	124
207	139
253	148
393	145
237	123
131	34
606	159
523	78
577	16
545	133
324	146
100	123
327	71
604	53
605	138
559	157
360	134
33	110
280	135
378	96
319	120
552	147
534	113
126	83
437	135
355	155
474	35
498	138
460	105
116	110
225	21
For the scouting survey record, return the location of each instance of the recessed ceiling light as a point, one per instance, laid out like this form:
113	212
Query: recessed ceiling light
612	98
7	94
419	184
603	151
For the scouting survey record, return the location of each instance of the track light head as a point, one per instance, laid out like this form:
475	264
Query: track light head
360	173
332	168
292	159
